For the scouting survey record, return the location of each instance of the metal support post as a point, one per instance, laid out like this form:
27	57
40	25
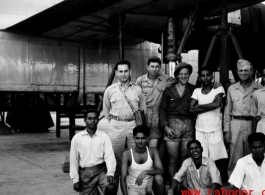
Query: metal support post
121	46
192	19
224	70
121	56
210	49
236	46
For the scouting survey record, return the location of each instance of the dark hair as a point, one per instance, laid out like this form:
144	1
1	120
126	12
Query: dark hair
192	142
205	68
254	137
154	59
92	110
122	62
141	129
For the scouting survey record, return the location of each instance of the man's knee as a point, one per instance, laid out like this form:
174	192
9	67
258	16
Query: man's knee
110	189
158	179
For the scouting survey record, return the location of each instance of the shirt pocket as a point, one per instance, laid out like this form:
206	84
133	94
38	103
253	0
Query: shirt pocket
236	103
135	102
116	103
98	148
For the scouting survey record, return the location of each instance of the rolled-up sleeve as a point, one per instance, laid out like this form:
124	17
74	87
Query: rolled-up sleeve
180	175
163	111
228	111
139	82
74	161
109	157
106	104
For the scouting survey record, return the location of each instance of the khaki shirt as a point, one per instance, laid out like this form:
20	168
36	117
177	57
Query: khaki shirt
238	102
153	94
114	103
258	103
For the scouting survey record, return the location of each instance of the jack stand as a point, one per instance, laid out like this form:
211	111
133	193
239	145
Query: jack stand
223	34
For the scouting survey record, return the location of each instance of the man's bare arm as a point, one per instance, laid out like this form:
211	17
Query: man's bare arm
124	169
215	104
194	107
158	167
198	109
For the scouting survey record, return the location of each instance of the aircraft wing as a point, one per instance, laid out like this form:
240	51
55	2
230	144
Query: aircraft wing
89	20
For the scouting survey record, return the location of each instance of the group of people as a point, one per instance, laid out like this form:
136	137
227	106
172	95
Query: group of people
176	112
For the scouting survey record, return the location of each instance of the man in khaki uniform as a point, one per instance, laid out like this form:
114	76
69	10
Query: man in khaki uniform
153	85
237	116
118	112
258	106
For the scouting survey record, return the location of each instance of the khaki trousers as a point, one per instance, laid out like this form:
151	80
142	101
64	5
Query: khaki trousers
240	129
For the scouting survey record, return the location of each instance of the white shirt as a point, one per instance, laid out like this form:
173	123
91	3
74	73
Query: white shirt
208	121
247	175
87	151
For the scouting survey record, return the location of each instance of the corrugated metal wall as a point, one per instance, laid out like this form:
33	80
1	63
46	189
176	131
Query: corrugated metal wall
36	65
41	65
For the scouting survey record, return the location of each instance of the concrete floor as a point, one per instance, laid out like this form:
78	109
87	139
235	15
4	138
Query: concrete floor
31	164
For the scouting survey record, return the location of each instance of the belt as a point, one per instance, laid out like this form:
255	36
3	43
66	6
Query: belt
246	118
94	167
122	119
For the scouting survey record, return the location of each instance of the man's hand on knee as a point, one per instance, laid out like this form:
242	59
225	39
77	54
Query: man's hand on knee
110	180
77	186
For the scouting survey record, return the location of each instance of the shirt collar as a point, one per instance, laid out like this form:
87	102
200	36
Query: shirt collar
250	160
188	86
146	77
254	85
263	88
86	133
130	83
204	161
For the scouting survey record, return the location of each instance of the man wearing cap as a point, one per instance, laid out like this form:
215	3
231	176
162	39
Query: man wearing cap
258	107
153	85
237	116
119	113
175	118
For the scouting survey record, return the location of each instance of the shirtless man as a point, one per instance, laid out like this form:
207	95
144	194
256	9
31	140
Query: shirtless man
143	165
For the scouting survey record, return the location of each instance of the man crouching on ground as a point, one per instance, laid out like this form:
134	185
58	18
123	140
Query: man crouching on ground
143	165
92	161
197	173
